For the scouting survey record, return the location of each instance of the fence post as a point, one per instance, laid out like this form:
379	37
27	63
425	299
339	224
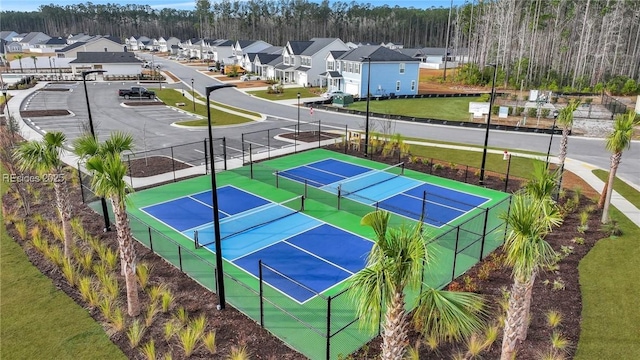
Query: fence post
423	214
80	178
224	151
466	173
484	232
346	138
196	241
261	294
277	179
180	256
150	239
250	161
129	164
242	139
506	179
319	134
268	144
455	253
173	165
206	157
329	328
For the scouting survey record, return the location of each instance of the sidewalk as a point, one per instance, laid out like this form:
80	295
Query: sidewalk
581	169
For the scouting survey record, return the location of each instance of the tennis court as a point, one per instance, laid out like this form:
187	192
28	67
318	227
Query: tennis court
287	261
311	256
386	189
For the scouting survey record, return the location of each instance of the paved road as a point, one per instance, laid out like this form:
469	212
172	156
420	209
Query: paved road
159	133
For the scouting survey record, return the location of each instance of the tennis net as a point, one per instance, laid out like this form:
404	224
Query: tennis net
260	216
369	179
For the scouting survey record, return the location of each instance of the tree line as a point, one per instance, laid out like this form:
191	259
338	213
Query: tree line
561	43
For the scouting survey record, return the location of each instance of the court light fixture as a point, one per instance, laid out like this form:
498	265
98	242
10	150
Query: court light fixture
214	199
103	202
486	134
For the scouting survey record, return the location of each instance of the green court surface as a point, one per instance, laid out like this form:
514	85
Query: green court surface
325	323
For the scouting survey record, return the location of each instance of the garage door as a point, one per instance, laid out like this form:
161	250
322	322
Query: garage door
302	78
352	89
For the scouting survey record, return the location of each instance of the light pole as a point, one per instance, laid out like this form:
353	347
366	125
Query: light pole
105	211
553	130
298	129
193	96
214	198
486	135
366	121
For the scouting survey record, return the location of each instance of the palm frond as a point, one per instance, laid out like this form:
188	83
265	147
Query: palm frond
448	314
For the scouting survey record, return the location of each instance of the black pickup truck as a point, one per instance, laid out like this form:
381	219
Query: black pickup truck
137	92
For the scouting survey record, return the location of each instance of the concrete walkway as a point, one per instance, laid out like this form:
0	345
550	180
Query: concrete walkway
581	169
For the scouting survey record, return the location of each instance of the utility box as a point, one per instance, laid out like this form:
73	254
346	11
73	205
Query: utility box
342	100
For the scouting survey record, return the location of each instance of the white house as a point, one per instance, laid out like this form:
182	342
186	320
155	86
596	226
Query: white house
312	60
249	59
242	47
33	40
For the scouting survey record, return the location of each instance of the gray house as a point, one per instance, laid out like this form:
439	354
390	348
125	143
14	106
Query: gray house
115	63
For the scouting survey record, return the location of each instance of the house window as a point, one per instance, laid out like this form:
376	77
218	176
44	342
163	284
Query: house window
397	86
350	67
401	68
356	68
286	60
330	65
413	85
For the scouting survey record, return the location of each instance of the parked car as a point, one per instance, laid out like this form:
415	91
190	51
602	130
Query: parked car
249	77
330	94
137	91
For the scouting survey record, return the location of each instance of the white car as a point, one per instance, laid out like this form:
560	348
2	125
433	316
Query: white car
330	94
249	77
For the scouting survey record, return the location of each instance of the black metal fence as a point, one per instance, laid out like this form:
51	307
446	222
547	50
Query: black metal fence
614	105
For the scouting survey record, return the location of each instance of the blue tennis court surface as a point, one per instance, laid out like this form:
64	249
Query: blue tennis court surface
315	256
387	190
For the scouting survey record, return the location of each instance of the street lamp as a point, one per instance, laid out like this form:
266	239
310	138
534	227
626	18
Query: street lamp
486	135
553	130
298	129
214	198
105	212
366	121
193	96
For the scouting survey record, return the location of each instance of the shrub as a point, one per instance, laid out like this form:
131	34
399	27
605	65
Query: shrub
135	333
209	342
149	350
554	319
612	229
142	270
532	112
188	338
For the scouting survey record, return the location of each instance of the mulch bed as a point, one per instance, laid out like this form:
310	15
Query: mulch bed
43	113
310	136
154	165
234	328
54	89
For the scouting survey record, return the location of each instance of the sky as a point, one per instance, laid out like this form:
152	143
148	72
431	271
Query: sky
33	5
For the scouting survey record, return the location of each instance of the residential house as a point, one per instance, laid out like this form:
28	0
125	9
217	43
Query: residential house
51	45
131	43
332	76
33	40
384	71
433	58
265	65
248	59
222	52
312	60
142	42
114	63
8	35
12	47
392	46
80	37
96	44
242	47
168	43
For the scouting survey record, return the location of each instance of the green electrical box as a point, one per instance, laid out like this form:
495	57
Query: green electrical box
342	100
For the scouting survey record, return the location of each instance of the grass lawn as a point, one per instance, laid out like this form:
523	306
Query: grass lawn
39	321
520	166
627	191
218	117
610	284
289	93
251	113
454	109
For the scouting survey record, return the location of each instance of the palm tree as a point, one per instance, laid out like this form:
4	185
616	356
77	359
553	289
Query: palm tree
529	220
542	183
104	161
565	119
19	57
395	264
35	61
44	157
616	142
